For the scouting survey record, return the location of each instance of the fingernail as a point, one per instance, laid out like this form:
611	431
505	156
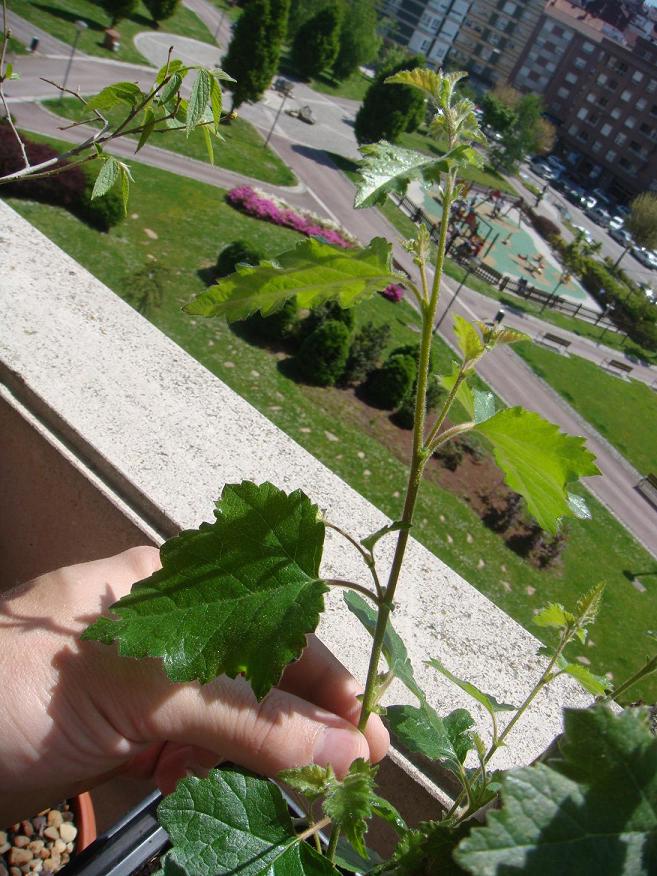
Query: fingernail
338	748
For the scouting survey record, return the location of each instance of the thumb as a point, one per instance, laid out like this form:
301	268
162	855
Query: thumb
280	732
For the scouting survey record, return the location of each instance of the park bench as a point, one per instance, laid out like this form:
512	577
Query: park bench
554	341
620	369
648	488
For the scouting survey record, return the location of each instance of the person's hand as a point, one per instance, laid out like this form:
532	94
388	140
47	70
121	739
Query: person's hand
74	713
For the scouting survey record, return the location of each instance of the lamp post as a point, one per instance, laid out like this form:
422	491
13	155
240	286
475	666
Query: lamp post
564	278
469	270
79	27
287	92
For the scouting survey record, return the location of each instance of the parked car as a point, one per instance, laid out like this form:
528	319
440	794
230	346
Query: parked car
616	223
649	292
556	163
645	256
586	234
544	170
574	193
599	215
620	235
587	201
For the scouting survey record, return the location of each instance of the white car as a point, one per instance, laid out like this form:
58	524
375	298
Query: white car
584	232
620	235
599	216
647	258
616	223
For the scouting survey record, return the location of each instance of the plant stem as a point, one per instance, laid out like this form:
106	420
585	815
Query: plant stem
365	554
333	844
350	585
649	668
313	829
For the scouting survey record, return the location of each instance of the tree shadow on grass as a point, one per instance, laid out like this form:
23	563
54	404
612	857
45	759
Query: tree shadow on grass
319	156
71	17
244	330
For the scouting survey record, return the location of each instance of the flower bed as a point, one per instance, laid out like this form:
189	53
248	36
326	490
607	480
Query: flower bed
261	206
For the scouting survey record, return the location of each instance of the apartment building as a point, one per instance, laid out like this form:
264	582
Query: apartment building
599	84
493	36
426	27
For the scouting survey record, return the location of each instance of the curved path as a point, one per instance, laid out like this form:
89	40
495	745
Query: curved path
303	148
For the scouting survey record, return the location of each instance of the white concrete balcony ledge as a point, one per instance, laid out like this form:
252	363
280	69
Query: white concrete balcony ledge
112	435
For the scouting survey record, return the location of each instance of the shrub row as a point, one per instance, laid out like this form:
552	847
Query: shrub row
70	189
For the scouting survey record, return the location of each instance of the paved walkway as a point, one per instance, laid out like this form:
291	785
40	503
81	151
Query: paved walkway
304	148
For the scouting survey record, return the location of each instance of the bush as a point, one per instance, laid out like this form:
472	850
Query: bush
405	416
365	352
545	227
101	213
317	43
323	355
387	387
276	326
389	110
321	314
231	256
412	350
161	9
450	455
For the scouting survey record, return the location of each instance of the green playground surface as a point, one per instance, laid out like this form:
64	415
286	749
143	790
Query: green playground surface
515	251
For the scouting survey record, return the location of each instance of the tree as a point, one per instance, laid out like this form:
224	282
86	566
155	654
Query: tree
119	9
302	11
389	110
359	41
317	42
642	221
160	9
254	50
518	120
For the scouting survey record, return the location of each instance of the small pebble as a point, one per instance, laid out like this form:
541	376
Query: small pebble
68	832
305	430
39	823
469	538
36	866
19	856
60	846
449	538
229	364
150	233
583	660
255	374
360	454
441	517
396	494
68	815
506	586
481	564
530	590
330	436
36	845
27	828
3	870
366	472
44	853
4	848
15	871
275	407
503	568
21	841
52	833
3	837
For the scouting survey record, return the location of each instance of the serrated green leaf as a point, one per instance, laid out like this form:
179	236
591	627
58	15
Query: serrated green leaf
310	273
148	125
554	615
594	811
216	101
310	780
125	187
423	731
236	596
588	605
107	177
488	701
468	339
349	803
233	822
593	684
435	84
173	66
383	809
394	649
198	99
218	73
493	336
484	405
119	92
347	858
208	143
463	394
538	461
386	168
171	88
9	69
370	540
427	851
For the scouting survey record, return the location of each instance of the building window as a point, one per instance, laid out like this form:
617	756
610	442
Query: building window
563	92
573	129
630	122
557	31
509	8
602	78
616	113
583	113
572	78
610	155
620	139
597	146
588	47
591	98
626	95
641	104
580	63
605	130
652	86
637	76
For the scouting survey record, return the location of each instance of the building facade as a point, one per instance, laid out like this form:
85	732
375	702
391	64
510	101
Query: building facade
600	88
427	27
493	36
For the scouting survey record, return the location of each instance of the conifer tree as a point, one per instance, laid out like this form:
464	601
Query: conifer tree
161	9
359	41
389	110
254	50
317	42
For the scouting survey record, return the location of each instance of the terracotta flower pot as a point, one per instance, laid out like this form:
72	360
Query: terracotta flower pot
85	820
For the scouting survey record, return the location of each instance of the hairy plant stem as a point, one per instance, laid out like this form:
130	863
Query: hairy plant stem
418	459
313	830
333	844
350	585
365	554
3	99
639	675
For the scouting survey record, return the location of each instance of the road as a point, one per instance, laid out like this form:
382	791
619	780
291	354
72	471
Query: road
322	187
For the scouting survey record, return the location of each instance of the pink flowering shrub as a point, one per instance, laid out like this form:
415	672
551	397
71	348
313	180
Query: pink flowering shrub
254	204
394	292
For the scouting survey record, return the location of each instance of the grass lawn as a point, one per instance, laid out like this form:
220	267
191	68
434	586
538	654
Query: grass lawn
353	87
332	427
240	151
625	413
421	142
15	47
58	17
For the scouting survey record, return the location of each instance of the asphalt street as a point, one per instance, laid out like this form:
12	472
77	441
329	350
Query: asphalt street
325	189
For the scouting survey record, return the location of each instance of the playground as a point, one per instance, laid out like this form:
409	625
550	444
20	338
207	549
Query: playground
507	243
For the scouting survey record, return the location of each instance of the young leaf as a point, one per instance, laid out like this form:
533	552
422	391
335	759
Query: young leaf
437	85
578	507
311	273
147	130
593	812
394	649
310	780
488	701
427	851
463	394
107	177
208	143
215	102
198	99
484	405
233	822
494	336
167	69
597	685
538	461
349	803
372	539
126	178
588	605
112	95
382	808
171	88
554	615
237	596
469	341
347	858
423	731
386	168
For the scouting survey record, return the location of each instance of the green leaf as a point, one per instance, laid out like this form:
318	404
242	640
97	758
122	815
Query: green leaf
310	273
171	88
347	858
234	823
169	68
349	803
493	336
538	461
218	73
597	685
198	99
208	143
435	84
423	731
382	808
237	596
588	605
394	649
463	394
468	339
554	615
310	780
372	539
427	851
592	812
386	168
147	130
107	177
215	102
488	701
484	405
119	92
126	179
9	69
